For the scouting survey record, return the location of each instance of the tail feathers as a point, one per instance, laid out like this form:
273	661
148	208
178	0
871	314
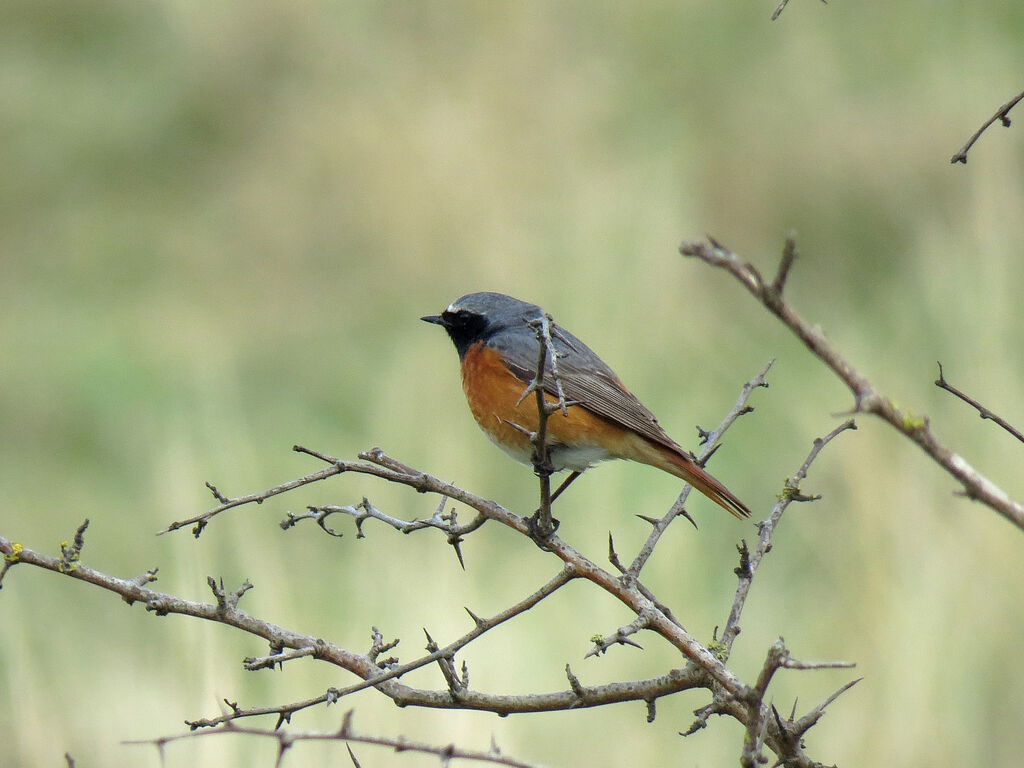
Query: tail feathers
684	467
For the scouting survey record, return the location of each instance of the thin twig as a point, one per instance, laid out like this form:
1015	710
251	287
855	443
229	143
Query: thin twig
286	739
1000	115
782	6
711	444
760	726
621	636
984	412
375	463
481	626
801	726
749	561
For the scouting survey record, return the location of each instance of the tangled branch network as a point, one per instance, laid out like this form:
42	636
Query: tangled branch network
704	667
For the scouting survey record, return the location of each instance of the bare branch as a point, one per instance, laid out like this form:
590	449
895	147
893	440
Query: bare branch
481	626
1002	115
621	636
784	735
252	663
749	561
706	668
984	412
374	462
363	666
637	597
710	441
801	726
286	739
782	6
364	510
226	601
866	398
785	264
70	551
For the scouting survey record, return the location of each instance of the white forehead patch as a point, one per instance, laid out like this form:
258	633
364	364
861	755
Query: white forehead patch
451	308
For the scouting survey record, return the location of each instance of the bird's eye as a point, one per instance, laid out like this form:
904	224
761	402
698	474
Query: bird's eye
461	317
464	321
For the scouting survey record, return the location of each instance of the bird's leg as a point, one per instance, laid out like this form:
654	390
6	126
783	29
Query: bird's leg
565	484
542	524
535	519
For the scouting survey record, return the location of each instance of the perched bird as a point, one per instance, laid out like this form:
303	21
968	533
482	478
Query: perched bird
498	347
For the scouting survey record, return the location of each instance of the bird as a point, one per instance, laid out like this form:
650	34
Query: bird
498	345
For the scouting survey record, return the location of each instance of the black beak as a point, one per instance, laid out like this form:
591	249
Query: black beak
435	319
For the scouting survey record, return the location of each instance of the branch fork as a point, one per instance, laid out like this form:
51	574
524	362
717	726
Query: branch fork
866	398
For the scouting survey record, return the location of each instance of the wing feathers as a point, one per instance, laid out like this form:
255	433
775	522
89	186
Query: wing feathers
586	380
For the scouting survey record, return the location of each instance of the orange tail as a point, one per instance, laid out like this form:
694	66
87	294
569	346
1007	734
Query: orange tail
688	470
684	467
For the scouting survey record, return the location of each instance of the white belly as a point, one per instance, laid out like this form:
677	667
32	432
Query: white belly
563	457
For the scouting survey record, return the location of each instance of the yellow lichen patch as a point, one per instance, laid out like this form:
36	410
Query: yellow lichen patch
15	553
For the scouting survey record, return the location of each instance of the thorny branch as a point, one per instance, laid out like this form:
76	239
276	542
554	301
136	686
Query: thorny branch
373	462
391	671
364	510
705	667
287	739
758	724
866	398
984	412
710	441
750	561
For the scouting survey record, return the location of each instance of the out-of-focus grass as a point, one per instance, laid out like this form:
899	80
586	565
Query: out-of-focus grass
219	225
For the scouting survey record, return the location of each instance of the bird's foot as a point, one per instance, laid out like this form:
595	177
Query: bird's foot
541	528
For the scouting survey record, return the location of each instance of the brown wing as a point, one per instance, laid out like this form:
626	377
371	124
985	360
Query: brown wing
586	380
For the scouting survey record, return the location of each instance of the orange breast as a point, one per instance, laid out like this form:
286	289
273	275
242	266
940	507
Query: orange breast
492	392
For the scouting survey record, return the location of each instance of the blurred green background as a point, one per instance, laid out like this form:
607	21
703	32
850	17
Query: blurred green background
219	224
